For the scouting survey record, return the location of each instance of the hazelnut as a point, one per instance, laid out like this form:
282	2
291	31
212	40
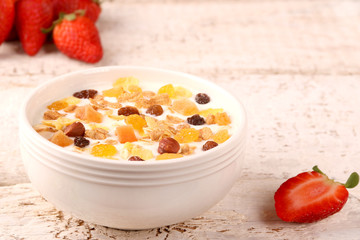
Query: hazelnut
168	145
76	129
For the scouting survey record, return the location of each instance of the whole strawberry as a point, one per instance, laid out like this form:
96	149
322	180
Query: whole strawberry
77	37
92	7
311	196
7	15
31	17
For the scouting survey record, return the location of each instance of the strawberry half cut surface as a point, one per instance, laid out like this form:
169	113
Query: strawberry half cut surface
311	196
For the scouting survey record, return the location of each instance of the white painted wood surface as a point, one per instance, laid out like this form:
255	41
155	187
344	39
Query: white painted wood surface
294	64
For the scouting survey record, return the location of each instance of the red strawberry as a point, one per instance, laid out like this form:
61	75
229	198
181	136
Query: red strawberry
7	15
31	17
311	196
77	37
92	7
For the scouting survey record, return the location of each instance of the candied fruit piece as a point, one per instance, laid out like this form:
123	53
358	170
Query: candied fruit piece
58	105
155	110
187	135
72	100
128	110
81	142
221	136
181	92
185	107
125	82
209	111
88	113
196	120
222	119
60	139
113	92
209	145
88	93
125	134
166	156
169	89
103	150
137	122
202	98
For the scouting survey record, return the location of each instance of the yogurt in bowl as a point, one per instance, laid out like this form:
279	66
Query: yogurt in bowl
158	171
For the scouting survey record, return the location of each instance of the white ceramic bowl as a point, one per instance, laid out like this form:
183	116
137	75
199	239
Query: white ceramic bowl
125	194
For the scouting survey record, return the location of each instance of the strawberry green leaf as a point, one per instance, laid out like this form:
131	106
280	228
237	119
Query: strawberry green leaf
352	181
316	169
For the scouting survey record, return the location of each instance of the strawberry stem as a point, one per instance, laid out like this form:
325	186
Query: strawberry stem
62	16
316	169
352	181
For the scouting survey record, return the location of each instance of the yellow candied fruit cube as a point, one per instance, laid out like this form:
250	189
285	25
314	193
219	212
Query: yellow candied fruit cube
185	107
222	119
187	135
113	92
103	150
59	123
58	105
181	92
166	156
169	89
134	88
137	122
71	100
125	82
221	136
209	111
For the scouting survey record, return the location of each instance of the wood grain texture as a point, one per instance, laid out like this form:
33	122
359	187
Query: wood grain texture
293	64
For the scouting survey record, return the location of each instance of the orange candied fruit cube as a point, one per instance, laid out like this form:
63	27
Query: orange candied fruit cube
88	113
125	133
137	122
166	156
60	139
222	119
187	135
185	107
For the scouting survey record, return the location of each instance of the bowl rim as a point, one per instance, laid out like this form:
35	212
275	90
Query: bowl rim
26	126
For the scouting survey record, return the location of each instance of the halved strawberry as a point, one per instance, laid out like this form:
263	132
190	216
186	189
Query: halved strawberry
311	196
